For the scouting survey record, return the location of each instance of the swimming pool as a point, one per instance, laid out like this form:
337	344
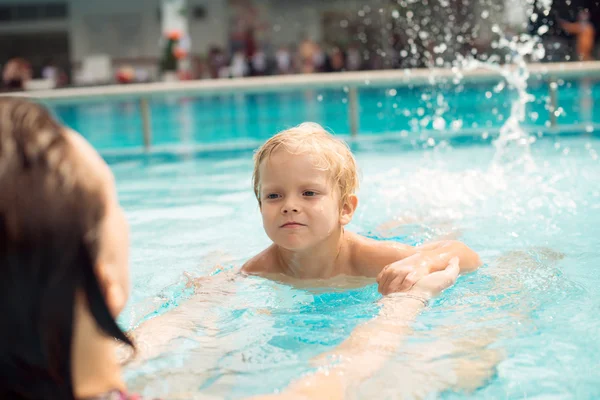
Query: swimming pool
531	312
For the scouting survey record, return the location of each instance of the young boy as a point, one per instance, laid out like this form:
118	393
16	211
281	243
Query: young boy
305	182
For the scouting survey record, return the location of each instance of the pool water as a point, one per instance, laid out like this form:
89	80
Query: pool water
527	320
444	109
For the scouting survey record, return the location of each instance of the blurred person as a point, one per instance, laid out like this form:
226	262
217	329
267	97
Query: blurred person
50	71
307	53
319	58
353	59
571	29
258	63
283	60
250	45
16	73
584	32
64	258
216	61
239	65
336	61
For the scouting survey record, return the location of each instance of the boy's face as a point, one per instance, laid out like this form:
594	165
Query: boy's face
300	208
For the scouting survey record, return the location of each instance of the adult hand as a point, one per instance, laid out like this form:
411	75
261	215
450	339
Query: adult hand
402	275
433	284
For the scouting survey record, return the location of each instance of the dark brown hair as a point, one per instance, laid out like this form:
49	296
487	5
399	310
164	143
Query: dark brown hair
49	220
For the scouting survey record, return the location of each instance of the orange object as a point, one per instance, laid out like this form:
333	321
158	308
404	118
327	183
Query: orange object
179	53
174	35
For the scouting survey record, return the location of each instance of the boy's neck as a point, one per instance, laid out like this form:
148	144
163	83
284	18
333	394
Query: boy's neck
319	262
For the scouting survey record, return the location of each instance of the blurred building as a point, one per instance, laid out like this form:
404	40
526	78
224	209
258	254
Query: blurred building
127	32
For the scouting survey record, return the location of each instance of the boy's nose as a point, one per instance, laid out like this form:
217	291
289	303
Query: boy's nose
285	210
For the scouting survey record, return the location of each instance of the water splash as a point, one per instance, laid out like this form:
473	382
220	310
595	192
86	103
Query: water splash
516	74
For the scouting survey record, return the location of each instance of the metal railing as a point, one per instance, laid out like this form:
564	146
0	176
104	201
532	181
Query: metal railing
352	81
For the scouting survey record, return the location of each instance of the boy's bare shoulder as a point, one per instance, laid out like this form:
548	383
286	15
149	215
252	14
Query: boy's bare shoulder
369	256
264	262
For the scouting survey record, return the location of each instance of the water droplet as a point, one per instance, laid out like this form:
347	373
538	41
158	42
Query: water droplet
485	135
392	92
320	97
514	234
488	95
344	23
456	125
395	14
439	123
344	100
431	142
542	29
589	128
379	104
485	14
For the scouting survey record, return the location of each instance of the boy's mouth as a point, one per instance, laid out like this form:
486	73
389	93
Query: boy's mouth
292	224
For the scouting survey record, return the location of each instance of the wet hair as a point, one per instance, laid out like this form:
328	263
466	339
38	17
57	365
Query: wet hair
50	215
330	153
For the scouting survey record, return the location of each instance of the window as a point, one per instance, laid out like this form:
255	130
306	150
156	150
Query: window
5	13
33	12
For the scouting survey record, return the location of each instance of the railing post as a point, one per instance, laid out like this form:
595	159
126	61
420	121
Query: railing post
353	110
146	125
553	102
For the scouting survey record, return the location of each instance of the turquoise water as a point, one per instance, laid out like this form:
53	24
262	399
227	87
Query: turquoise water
240	118
527	320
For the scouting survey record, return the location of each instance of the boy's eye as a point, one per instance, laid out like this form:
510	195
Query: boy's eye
309	193
272	196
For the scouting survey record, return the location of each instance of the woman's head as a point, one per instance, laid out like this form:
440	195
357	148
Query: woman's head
63	249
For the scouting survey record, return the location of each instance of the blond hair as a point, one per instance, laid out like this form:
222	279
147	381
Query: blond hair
331	154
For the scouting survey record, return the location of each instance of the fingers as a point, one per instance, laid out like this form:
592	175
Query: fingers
448	276
380	276
392	286
383	281
453	268
397	281
407	282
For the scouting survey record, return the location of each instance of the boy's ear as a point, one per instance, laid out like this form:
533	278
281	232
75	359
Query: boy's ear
348	209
